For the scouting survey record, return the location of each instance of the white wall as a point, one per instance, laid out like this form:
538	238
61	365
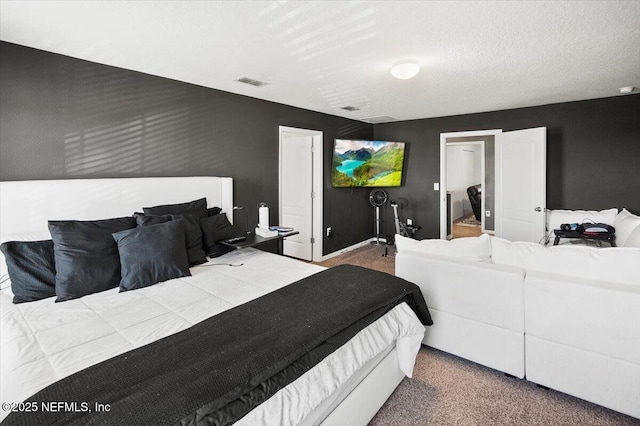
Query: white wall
463	170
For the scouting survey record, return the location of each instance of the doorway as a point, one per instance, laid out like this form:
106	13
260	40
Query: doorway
300	191
465	184
487	217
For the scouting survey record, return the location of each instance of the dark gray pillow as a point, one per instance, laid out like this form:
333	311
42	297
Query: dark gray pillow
32	269
192	231
212	211
86	255
214	229
142	267
633	211
150	219
196	207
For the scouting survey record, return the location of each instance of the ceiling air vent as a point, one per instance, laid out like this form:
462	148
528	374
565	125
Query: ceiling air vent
350	108
251	81
379	119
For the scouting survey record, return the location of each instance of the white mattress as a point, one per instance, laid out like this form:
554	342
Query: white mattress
42	342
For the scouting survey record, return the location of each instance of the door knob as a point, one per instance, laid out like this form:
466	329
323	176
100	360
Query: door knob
538	209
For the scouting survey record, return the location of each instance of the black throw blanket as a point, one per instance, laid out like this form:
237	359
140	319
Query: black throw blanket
218	370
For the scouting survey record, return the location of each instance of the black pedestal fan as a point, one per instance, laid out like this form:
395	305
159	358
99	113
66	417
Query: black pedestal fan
378	198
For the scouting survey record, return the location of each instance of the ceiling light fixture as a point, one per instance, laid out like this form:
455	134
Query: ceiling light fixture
405	69
626	90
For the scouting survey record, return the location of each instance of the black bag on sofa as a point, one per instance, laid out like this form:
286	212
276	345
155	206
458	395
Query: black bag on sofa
595	229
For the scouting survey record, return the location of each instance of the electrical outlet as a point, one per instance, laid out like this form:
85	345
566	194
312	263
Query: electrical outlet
487	213
409	222
329	232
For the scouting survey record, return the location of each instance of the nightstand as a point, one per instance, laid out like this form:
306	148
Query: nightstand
253	240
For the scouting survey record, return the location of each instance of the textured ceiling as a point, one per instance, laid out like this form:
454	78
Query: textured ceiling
475	56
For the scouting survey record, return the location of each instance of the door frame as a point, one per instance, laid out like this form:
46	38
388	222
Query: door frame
443	172
317	138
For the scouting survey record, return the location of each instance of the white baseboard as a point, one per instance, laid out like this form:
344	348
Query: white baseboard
350	248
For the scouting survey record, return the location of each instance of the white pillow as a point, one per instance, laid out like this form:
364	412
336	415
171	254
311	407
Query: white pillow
615	264
634	239
472	248
558	217
625	224
514	253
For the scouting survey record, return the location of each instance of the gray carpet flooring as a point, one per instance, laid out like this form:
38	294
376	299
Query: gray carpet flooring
448	390
369	256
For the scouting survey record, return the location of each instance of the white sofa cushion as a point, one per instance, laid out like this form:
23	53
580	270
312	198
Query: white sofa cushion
472	248
583	338
588	314
514	253
558	217
625	224
634	239
616	264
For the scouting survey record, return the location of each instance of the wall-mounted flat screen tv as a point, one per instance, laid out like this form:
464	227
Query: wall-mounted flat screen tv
367	163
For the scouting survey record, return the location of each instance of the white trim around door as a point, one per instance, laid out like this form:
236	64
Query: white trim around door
443	171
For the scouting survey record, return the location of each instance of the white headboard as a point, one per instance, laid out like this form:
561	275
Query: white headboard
26	206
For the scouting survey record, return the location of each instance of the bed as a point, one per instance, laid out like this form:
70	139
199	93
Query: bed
66	359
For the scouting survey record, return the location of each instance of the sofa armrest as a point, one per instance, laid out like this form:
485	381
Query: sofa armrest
485	292
596	316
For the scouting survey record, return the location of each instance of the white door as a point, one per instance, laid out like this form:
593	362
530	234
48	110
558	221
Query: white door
296	192
521	195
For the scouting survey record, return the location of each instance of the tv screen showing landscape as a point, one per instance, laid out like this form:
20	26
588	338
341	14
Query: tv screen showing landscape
367	163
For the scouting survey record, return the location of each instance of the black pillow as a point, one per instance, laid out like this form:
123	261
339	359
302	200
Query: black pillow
214	229
196	207
212	211
86	255
633	211
142	267
150	219
32	269
192	231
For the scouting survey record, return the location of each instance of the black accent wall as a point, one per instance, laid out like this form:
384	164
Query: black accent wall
593	154
63	118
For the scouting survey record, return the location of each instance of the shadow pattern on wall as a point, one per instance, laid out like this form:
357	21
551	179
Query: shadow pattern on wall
143	127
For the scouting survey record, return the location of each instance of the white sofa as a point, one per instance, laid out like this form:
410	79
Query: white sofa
565	317
624	222
477	307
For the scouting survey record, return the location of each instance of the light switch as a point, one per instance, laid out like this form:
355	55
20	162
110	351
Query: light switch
436	186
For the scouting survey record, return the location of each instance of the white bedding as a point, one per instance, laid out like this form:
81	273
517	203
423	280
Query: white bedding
42	342
299	399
